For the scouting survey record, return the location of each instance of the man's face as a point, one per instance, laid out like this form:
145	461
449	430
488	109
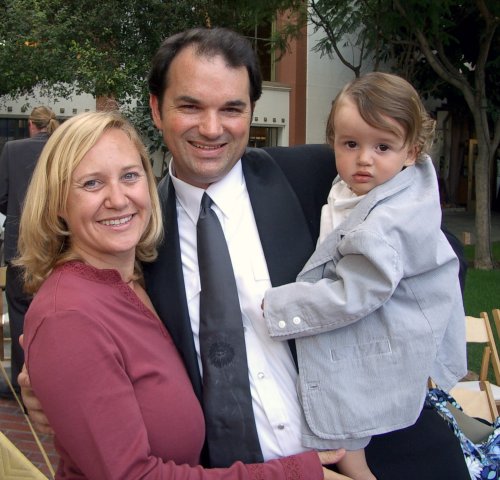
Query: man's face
205	116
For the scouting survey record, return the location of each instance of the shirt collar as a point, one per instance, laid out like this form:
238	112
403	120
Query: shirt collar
223	193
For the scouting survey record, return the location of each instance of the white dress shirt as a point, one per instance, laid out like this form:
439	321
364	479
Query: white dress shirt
341	201
271	370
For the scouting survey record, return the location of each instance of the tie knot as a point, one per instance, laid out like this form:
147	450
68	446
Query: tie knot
206	203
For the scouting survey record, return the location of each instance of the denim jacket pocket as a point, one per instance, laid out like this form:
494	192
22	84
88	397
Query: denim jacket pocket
350	352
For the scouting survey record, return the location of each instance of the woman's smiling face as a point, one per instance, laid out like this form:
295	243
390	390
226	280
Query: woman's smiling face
108	206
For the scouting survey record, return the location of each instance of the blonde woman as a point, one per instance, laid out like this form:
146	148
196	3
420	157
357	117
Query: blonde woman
100	360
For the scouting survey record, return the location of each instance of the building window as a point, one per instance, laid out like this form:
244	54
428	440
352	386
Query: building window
13	129
260	36
263	137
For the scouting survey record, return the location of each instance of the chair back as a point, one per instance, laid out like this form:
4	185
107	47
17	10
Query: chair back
476	398
478	330
496	319
3	272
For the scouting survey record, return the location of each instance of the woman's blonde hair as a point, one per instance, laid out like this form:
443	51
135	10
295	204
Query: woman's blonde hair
44	239
379	95
44	118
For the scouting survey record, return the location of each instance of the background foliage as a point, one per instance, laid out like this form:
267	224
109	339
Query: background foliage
447	48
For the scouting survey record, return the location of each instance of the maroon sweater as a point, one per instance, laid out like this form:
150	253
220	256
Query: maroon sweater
115	389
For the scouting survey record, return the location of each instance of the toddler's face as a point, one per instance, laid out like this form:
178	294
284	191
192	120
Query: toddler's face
366	156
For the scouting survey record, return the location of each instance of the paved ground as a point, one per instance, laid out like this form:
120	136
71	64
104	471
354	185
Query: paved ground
13	423
460	221
15	428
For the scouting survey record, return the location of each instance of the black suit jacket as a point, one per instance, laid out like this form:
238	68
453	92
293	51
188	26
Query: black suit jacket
17	163
286	199
287	188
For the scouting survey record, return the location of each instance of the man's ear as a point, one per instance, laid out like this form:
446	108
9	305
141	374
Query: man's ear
252	109
155	111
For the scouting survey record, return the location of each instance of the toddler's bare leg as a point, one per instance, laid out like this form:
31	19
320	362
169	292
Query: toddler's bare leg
354	465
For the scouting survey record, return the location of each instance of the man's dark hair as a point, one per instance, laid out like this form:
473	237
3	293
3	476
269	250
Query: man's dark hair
234	48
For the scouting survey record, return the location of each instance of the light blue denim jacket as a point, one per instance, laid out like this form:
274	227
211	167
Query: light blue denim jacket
376	310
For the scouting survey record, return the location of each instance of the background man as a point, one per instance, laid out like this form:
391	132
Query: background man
17	163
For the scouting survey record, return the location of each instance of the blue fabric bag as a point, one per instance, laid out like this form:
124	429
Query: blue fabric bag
480	444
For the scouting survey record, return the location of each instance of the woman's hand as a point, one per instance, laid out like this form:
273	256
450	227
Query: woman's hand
31	402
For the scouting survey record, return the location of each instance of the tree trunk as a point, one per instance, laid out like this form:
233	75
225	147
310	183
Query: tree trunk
483	255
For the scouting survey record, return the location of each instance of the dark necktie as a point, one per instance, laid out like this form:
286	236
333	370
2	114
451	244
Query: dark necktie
227	402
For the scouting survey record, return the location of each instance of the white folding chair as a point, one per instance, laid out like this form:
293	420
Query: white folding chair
3	271
476	397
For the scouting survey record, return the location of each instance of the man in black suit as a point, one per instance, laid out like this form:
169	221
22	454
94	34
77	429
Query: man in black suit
17	163
204	85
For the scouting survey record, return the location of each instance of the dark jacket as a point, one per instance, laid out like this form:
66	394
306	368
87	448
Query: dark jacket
17	162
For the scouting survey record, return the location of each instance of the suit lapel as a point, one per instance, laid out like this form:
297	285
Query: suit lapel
165	285
284	234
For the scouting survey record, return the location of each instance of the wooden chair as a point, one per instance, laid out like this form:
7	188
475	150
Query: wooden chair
476	397
496	319
496	388
3	271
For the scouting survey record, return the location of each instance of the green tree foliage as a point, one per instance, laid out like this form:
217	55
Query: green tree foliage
66	47
447	48
101	48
